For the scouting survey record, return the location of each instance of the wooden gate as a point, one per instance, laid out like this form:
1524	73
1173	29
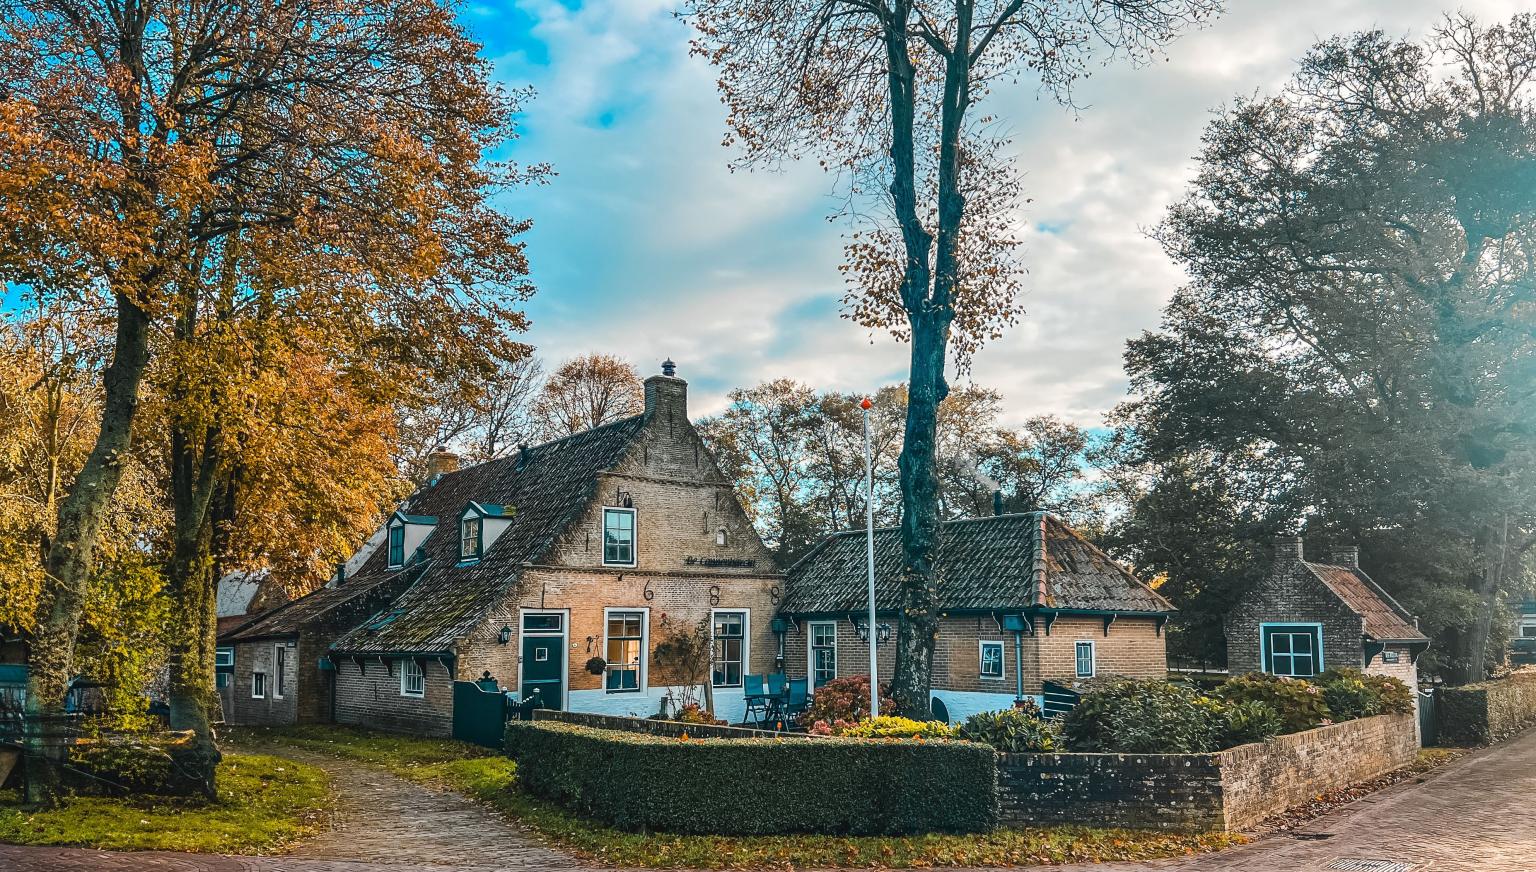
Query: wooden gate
479	715
1429	724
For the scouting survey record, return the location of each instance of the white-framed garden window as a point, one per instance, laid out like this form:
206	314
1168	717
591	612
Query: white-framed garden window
992	659
618	536
413	681
730	630
279	671
1085	659
821	652
1293	650
625	643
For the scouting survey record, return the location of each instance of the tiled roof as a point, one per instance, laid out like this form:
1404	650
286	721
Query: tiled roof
1005	562
1385	620
290	618
541	493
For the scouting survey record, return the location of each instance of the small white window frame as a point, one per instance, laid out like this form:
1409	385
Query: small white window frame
645	648
746	645
1093	658
224	655
408	669
1002	659
258	684
279	669
810	651
634	535
479	537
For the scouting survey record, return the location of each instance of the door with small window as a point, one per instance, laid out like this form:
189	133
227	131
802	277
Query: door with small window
543	666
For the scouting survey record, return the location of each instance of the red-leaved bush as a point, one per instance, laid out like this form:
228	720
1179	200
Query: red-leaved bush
844	699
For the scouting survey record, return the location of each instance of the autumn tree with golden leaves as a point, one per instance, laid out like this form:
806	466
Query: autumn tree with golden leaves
882	92
240	183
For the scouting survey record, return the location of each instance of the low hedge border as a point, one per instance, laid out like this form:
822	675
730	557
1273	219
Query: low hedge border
1477	714
758	786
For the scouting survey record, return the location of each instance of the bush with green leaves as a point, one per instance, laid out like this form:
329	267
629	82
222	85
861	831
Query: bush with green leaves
1248	721
893	727
1144	717
1011	731
1384	695
834	785
1299	703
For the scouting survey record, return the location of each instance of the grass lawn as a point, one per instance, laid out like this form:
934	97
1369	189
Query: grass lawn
264	804
491	778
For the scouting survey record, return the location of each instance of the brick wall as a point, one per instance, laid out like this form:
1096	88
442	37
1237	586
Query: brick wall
1476	714
259	656
1230	790
1292	594
370	697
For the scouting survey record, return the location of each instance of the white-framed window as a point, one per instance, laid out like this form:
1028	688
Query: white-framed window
618	536
413	682
1086	662
396	545
821	636
1528	628
992	659
624	643
258	685
279	671
1293	650
729	636
469	538
224	656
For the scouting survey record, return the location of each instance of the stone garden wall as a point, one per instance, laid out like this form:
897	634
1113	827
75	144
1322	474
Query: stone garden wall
1476	714
1230	790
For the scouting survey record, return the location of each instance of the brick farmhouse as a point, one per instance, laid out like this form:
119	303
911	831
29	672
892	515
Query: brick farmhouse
1025	600
1305	617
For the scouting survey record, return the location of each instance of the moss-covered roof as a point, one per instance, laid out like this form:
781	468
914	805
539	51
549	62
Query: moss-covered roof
1001	563
540	493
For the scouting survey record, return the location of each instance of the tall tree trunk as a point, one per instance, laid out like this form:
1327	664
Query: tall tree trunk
69	558
196	479
1496	551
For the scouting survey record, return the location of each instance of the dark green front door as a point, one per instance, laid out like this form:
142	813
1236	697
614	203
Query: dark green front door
543	666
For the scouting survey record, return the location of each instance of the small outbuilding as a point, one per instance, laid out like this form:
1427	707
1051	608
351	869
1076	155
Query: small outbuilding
1307	616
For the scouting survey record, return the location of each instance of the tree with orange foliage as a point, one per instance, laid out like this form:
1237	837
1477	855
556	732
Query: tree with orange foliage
588	391
881	92
312	167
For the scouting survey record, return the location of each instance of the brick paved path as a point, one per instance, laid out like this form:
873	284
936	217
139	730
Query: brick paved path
1470	817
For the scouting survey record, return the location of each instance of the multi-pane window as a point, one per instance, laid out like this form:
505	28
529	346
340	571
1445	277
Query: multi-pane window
413	682
991	659
626	645
619	536
823	652
258	685
397	545
279	671
224	656
1084	656
469	538
730	647
1293	649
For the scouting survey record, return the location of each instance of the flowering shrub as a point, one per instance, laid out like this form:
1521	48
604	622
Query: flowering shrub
1300	704
693	713
891	727
1352	694
843	699
1144	717
1011	731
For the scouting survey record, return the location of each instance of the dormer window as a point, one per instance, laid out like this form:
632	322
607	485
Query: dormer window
618	537
469	538
396	546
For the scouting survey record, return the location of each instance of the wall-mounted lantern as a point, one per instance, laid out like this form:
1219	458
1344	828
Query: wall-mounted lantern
505	636
779	627
1015	624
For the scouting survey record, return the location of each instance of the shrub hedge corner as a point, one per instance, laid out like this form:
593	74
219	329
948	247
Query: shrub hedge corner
758	786
1476	714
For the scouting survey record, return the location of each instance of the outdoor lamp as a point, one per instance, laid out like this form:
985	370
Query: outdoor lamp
505	636
779	625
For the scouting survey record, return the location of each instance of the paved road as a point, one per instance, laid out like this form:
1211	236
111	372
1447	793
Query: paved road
1470	817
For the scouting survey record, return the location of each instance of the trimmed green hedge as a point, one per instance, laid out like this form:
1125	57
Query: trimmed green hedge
758	786
1476	714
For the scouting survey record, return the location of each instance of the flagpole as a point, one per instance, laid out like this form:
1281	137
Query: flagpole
869	553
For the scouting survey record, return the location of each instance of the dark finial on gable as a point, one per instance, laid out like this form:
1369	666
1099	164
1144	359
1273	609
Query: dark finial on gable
668	368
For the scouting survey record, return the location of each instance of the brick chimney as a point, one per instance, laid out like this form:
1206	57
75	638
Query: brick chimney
1346	555
441	461
666	395
1287	549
